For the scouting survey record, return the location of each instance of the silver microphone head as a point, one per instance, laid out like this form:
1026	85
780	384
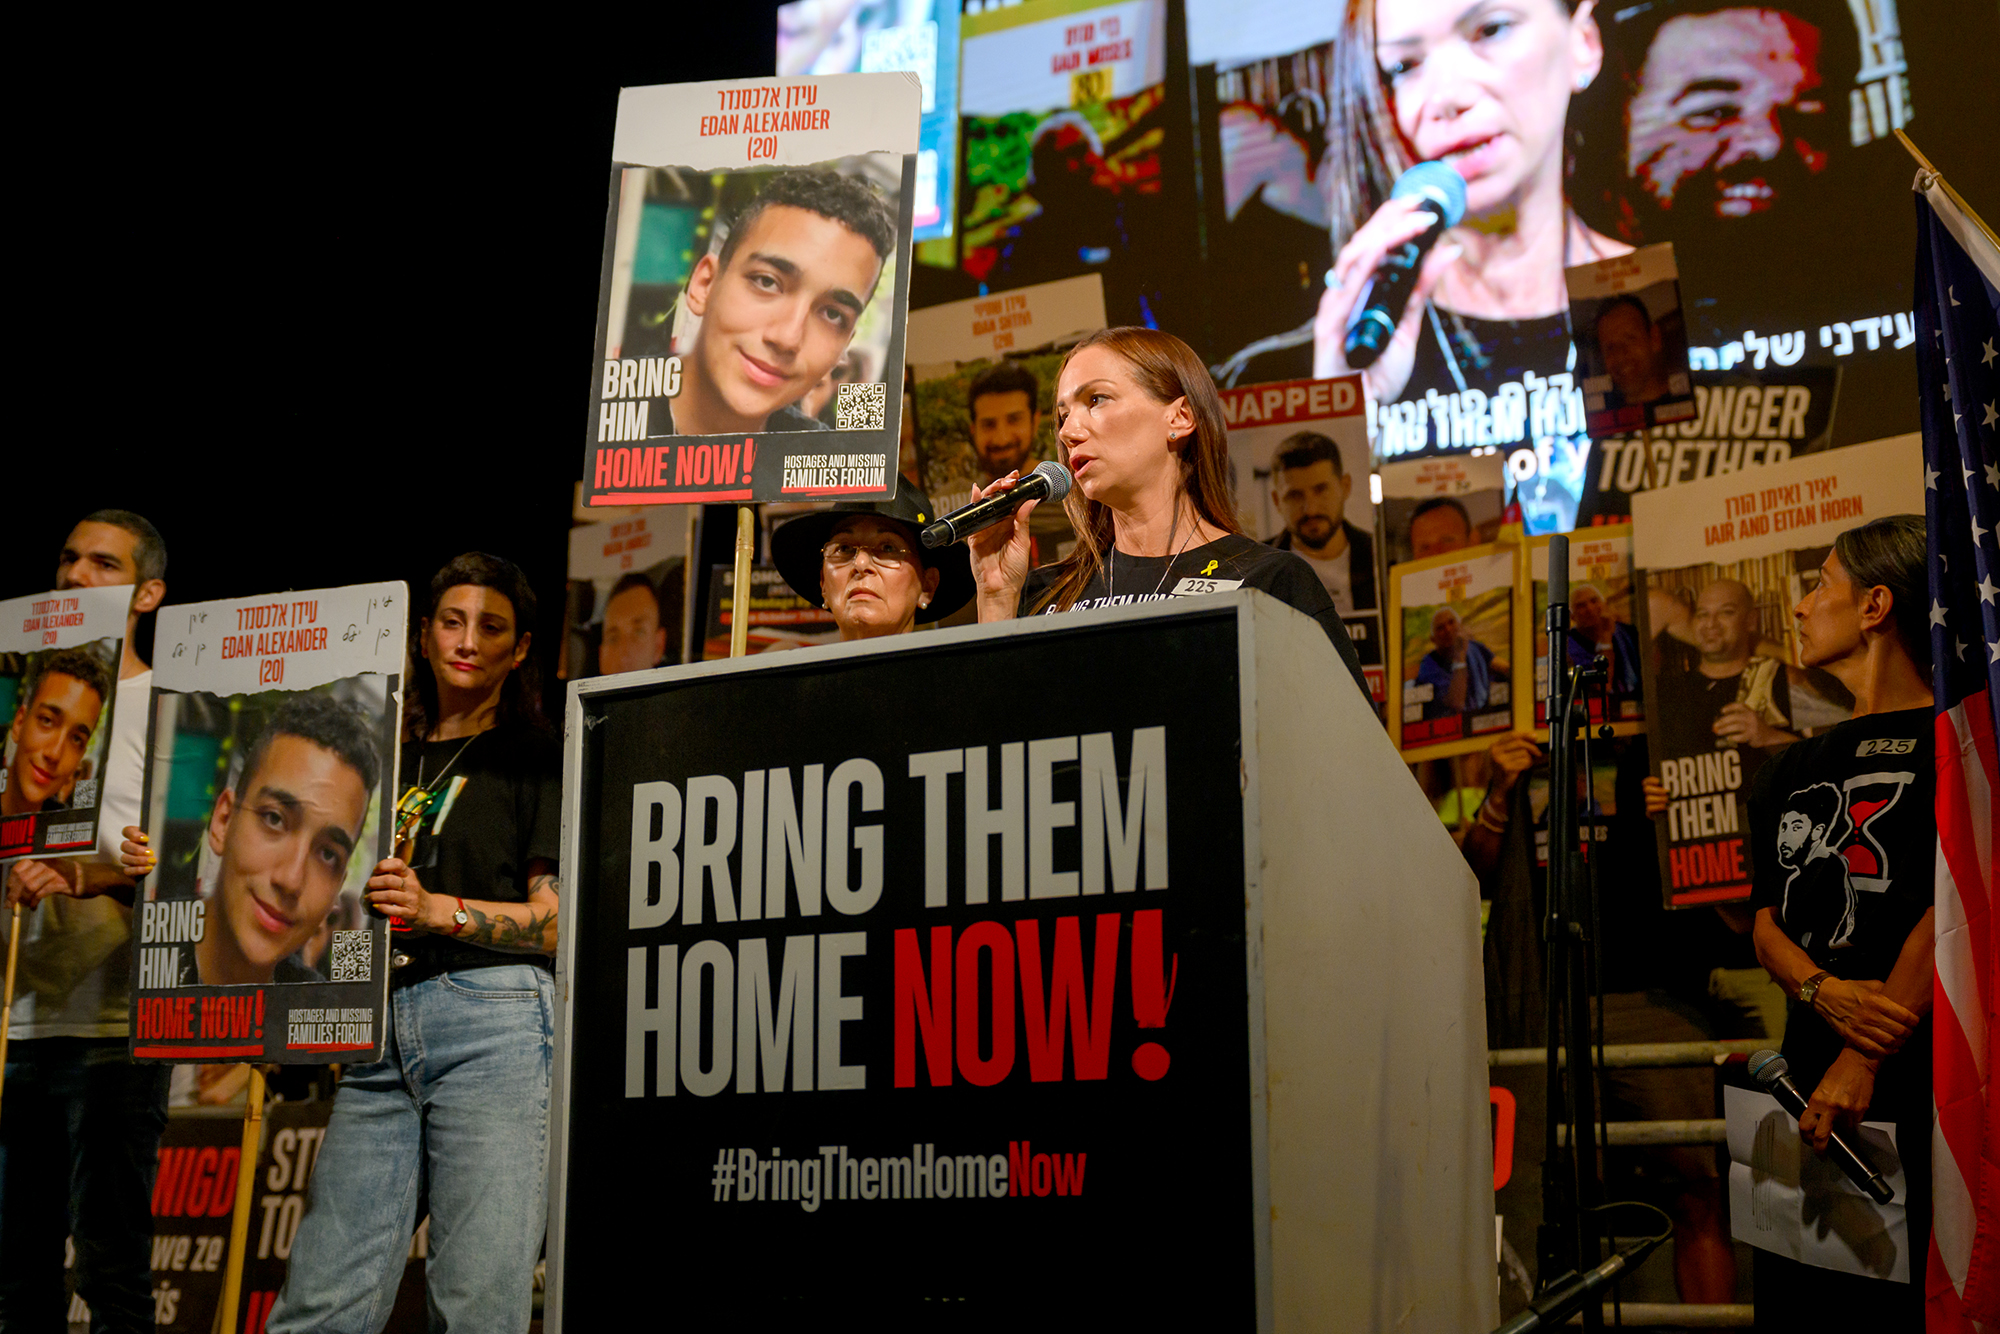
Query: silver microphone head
1058	477
1767	1067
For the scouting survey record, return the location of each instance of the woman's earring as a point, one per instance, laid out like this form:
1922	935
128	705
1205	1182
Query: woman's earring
1582	82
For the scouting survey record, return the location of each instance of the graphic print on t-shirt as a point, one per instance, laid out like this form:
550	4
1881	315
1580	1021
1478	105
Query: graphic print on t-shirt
1825	840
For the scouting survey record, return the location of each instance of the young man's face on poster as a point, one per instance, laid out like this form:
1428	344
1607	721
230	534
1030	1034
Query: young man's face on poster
1633	355
633	637
1313	500
1003	431
51	733
777	318
284	848
1440	529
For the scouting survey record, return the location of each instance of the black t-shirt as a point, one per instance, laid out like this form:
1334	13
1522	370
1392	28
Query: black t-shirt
507	814
1230	562
1844	835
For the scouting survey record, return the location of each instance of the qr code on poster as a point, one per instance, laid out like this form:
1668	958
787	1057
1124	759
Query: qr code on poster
353	957
861	407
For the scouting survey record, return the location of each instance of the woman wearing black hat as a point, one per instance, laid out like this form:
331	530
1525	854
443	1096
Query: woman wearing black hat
863	562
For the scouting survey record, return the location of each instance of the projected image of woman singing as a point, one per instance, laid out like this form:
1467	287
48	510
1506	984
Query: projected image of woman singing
1485	89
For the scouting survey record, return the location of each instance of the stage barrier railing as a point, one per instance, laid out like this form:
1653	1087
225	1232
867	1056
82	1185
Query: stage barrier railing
1623	1134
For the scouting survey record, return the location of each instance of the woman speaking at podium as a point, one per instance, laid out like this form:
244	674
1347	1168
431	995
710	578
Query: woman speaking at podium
1142	431
863	563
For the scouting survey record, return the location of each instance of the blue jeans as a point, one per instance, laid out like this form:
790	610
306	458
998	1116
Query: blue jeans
457	1113
80	1131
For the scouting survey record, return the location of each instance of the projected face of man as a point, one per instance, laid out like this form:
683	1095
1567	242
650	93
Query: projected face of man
1312	500
1725	625
774	321
283	846
1003	431
1630	345
51	733
1734	94
633	636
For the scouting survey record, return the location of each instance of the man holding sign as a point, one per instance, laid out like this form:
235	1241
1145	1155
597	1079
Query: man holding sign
80	1139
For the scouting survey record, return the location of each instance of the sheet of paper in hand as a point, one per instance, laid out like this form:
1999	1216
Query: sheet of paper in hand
1789	1200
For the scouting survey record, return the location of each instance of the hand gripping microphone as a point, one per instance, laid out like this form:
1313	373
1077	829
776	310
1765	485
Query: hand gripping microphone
1770	1069
1049	481
1443	191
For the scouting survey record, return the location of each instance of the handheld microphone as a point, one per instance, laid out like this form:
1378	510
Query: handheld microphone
1443	190
1771	1070
1049	481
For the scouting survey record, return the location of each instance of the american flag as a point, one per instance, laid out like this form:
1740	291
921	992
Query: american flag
1958	370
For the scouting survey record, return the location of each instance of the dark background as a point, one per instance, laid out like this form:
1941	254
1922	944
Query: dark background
320	303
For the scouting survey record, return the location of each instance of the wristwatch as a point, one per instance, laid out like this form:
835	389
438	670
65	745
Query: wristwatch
1810	987
461	917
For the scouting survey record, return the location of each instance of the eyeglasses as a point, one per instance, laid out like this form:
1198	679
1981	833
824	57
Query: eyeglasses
885	555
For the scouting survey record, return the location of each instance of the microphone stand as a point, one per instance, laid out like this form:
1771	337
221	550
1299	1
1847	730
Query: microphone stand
1567	1243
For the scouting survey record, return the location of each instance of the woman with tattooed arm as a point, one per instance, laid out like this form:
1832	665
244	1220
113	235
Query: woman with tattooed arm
457	1110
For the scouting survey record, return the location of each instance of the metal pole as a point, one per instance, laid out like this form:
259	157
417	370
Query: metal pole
739	599
246	1181
7	1006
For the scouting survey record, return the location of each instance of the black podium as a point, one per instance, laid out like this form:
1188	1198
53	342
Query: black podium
1095	967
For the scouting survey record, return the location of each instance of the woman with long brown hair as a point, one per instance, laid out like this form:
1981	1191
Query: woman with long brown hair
1141	428
455	1114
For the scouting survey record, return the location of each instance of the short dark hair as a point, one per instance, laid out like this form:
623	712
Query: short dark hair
1893	553
1007	377
841	199
79	664
632	581
149	549
1626	299
521	697
1302	449
1819	803
1441	503
327	723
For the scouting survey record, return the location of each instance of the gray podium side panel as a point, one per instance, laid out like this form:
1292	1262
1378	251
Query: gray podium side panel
1377	1132
565	969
